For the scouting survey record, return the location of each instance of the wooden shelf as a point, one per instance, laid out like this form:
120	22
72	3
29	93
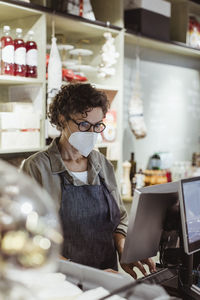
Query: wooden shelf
79	28
98	86
18	151
6	79
10	11
173	47
72	18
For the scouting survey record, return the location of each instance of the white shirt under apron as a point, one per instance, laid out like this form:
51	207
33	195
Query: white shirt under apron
82	176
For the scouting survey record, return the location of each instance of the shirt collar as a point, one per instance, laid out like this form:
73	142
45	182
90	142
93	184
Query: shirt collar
57	164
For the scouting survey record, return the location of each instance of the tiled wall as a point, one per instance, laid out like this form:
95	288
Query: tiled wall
170	89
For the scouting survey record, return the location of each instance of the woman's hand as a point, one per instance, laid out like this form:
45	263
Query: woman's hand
128	268
63	258
111	271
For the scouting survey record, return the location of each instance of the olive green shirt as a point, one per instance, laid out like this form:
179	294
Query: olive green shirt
45	167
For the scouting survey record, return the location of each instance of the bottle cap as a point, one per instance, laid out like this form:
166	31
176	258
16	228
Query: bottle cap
18	30
31	32
6	28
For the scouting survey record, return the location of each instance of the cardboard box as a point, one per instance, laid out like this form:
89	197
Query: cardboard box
22	140
23	107
150	20
19	120
157	6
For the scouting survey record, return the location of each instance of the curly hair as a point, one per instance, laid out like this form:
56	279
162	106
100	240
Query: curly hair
76	98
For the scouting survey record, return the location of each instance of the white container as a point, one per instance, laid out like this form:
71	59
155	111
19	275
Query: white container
20	120
158	6
126	188
22	140
16	107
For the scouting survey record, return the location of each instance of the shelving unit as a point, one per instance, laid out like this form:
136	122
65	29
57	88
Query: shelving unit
87	34
173	47
181	10
27	19
13	152
8	80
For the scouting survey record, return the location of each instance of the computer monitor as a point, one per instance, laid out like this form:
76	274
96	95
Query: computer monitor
146	220
189	197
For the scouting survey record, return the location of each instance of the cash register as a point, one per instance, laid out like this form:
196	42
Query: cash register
156	212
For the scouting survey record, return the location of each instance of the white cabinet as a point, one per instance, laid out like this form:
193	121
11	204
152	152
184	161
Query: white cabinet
27	135
89	36
81	33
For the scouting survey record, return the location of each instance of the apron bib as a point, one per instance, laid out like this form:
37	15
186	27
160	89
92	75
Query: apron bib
89	216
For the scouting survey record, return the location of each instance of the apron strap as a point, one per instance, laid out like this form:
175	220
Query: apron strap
64	178
112	205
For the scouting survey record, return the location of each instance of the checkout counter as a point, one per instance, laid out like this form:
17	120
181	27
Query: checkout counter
31	239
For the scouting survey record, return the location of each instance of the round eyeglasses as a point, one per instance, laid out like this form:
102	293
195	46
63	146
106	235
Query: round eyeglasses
85	126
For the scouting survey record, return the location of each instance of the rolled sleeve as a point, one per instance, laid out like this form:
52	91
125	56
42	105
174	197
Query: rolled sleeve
123	225
32	169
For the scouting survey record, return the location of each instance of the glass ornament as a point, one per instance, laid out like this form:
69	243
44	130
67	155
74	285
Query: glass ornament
30	231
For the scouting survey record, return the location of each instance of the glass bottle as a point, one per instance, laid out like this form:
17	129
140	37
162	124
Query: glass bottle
126	178
81	8
132	172
155	161
140	179
19	54
31	56
7	52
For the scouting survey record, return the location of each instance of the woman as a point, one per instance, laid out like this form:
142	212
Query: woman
82	181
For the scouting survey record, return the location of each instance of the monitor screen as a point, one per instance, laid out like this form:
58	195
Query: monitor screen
190	213
146	220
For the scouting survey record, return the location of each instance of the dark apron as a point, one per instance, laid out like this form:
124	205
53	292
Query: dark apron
89	216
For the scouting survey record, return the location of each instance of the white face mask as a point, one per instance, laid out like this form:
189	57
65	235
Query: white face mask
84	142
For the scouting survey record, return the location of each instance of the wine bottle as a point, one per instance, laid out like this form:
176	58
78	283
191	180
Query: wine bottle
7	52
19	55
132	172
31	56
155	161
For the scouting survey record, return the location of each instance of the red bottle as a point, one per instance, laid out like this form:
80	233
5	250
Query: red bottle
31	56
19	55
7	52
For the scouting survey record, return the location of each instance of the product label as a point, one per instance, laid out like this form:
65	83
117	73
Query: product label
31	57
8	54
20	56
0	57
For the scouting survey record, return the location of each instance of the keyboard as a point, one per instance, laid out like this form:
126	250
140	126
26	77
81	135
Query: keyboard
195	289
160	276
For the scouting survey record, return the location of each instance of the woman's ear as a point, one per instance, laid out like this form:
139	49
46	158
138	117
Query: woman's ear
62	121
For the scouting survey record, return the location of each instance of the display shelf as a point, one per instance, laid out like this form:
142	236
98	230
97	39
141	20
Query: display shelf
98	86
31	90
76	30
27	19
12	80
105	87
17	151
10	9
111	15
173	47
179	21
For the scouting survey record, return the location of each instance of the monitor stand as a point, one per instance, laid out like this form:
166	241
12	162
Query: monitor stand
187	290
